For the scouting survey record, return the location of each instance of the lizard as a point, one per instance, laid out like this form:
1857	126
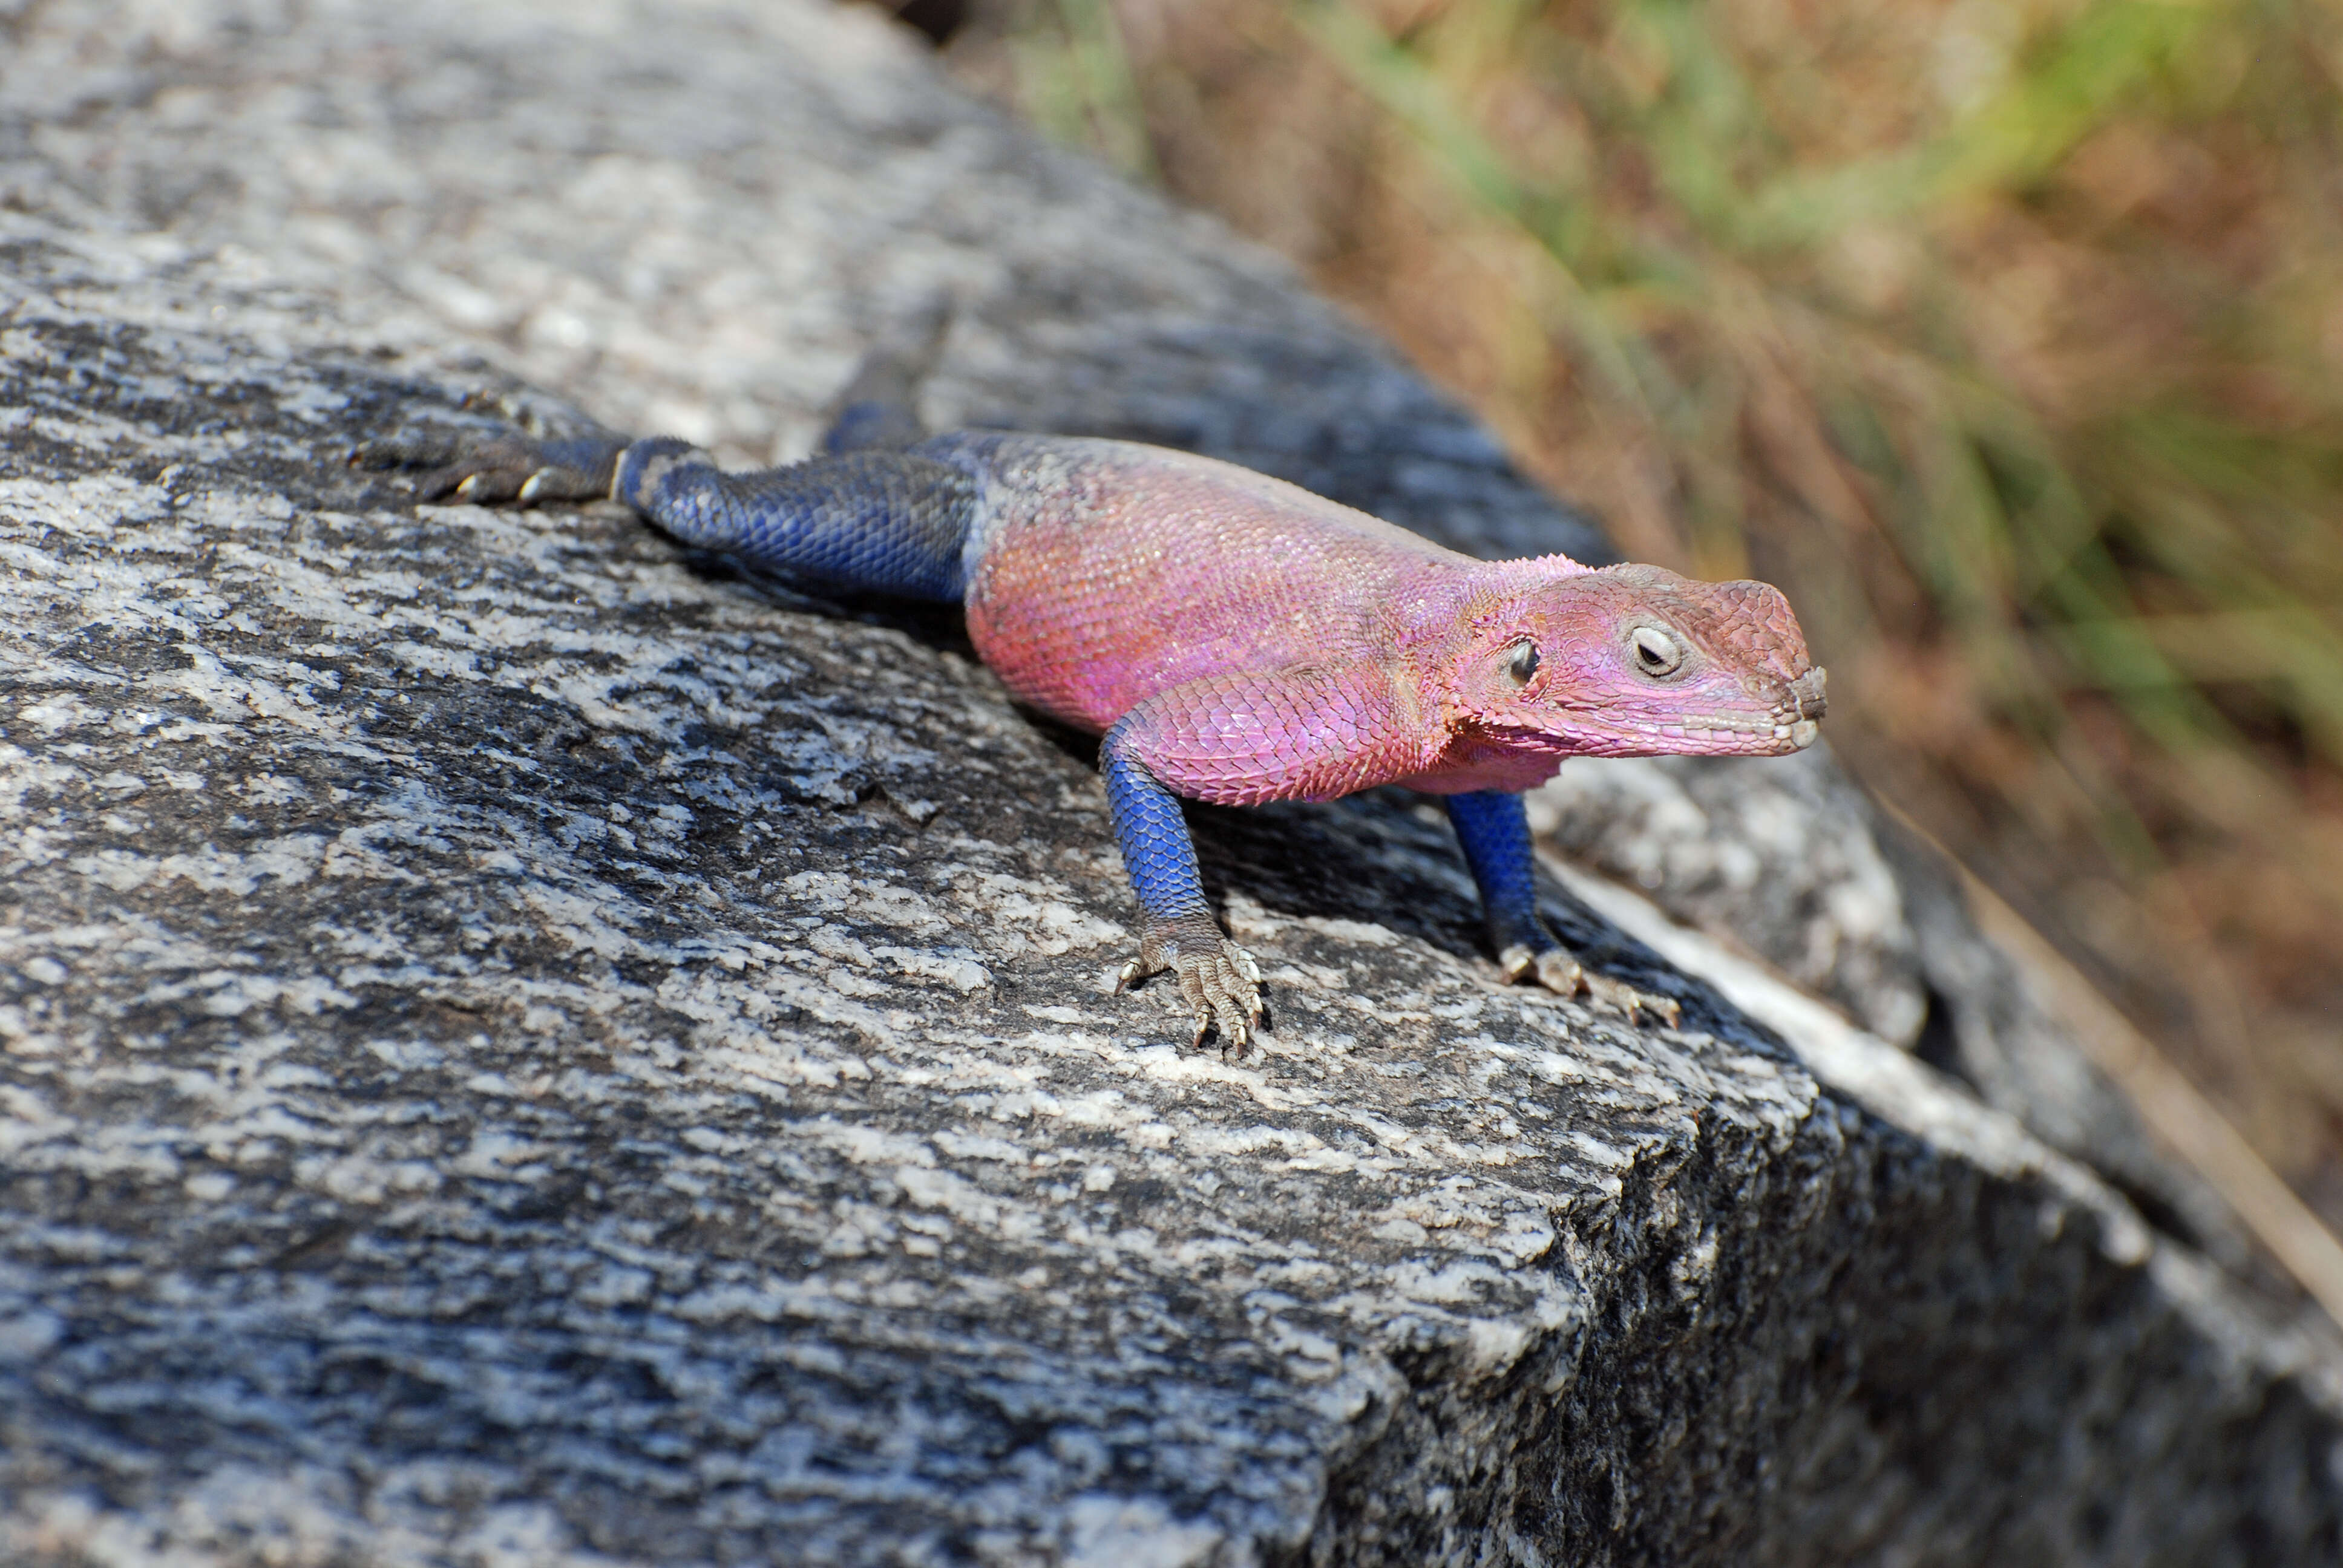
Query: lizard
1230	637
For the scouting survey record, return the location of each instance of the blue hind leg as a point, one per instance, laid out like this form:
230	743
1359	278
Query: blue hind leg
868	514
878	410
889	522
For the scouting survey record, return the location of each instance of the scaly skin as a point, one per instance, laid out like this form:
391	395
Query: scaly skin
1262	643
1237	639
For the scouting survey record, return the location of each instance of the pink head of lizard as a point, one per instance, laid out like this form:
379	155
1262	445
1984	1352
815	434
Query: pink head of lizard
1633	661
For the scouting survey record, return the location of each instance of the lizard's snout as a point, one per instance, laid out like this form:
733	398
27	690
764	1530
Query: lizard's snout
1807	692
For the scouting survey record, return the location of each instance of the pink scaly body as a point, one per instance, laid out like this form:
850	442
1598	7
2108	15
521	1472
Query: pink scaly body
1277	645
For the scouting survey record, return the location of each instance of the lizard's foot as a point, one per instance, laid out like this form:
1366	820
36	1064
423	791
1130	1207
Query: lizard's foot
1217	979
1559	972
520	468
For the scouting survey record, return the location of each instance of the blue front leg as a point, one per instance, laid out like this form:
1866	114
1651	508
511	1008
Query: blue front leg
1218	978
1493	826
1156	852
1494	830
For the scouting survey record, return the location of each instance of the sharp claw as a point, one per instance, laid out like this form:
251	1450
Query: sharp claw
487	485
1127	976
1559	972
531	486
1663	1008
1233	1034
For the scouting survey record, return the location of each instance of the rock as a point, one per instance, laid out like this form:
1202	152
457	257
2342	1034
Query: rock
1778	853
521	1046
1785	858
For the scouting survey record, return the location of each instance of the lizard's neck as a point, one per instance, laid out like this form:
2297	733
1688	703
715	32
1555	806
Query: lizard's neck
1445	615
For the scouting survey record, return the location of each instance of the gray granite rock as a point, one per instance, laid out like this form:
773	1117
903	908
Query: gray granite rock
1787	859
519	1046
1778	853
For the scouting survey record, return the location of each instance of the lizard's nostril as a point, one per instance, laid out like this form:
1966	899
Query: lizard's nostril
1808	689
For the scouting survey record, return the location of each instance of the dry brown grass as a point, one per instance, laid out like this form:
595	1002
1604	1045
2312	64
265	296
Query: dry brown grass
2005	335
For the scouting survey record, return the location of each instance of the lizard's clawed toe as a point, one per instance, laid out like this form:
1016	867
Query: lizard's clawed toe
489	487
1219	984
422	450
1626	999
1560	972
494	471
1222	990
1552	968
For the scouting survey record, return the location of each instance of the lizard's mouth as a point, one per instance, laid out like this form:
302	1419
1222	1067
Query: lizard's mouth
1783	719
1781	726
1791	723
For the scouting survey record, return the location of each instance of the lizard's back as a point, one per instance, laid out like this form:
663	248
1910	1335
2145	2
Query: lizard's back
1102	572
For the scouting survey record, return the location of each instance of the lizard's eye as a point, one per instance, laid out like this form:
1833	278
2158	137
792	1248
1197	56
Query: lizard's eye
1523	665
1657	653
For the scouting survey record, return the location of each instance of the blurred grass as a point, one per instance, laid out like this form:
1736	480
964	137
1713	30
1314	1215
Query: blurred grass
2007	335
1074	81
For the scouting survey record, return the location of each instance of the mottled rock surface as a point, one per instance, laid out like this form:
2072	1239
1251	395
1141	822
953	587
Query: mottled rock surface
518	1046
1786	859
